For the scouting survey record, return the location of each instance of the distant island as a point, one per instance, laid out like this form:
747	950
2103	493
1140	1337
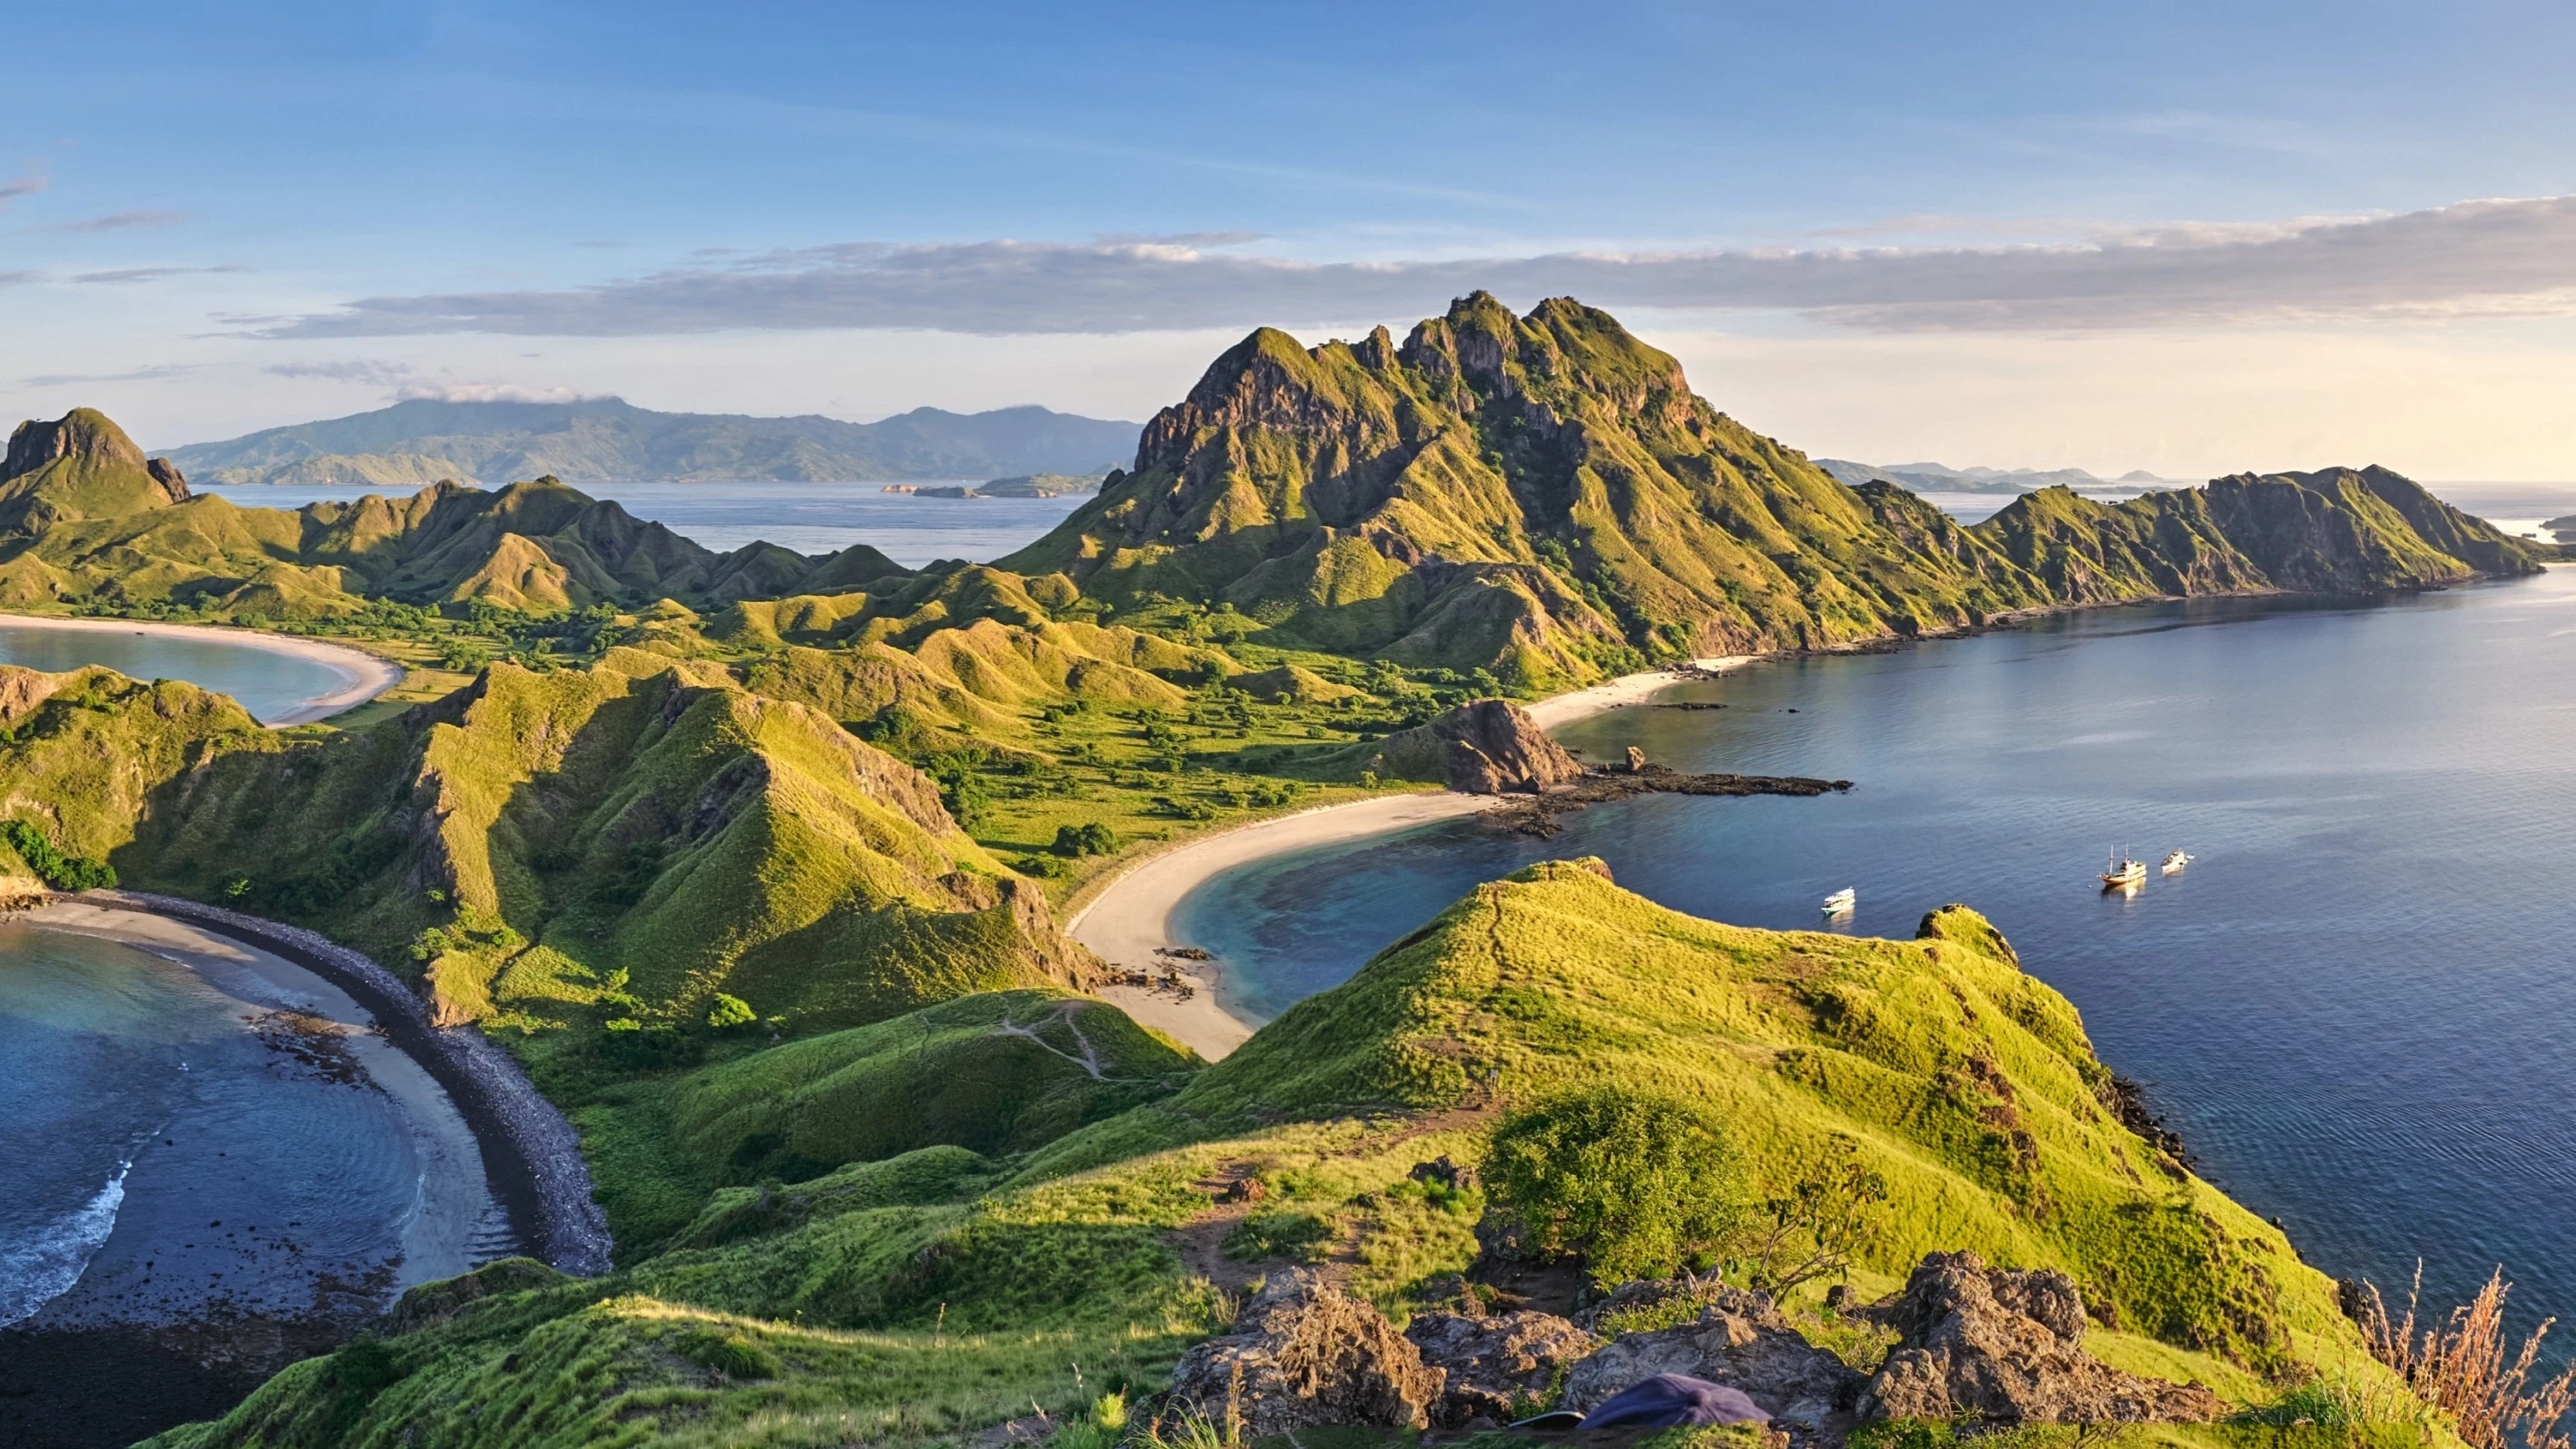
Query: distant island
1941	478
603	440
1035	485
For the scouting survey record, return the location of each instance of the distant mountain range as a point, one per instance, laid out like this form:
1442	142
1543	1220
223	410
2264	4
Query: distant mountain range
1941	478
606	440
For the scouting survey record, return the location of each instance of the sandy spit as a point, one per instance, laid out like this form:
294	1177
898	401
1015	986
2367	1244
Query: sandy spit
1129	917
363	675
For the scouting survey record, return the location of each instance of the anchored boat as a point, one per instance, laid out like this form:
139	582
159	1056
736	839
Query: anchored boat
1841	901
2124	872
2176	861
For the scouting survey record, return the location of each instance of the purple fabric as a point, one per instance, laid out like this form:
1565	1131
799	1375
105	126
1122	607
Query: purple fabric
1670	1400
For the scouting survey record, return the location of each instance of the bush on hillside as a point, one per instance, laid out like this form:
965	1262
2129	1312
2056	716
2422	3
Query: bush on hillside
729	1012
60	871
1079	840
1638	1184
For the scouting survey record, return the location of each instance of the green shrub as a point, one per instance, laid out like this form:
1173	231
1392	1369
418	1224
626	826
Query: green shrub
60	871
1080	840
734	1355
1278	1235
1639	1184
726	1013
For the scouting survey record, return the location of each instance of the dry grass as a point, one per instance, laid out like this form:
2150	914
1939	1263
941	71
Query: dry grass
2459	1367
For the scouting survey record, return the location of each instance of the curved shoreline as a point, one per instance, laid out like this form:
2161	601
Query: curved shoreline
1126	918
366	675
531	1153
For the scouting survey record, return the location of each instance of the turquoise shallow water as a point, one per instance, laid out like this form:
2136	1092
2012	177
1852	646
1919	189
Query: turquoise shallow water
158	1153
266	682
2356	1004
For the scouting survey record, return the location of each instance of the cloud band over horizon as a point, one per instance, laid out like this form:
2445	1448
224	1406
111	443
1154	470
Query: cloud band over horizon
2473	258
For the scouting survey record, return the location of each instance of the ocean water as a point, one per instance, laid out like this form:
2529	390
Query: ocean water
2356	1004
812	518
267	682
156	1152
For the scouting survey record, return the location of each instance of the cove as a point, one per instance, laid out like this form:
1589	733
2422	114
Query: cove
280	679
209	1166
2354	1004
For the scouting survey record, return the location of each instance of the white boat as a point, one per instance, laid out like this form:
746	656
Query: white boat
2124	873
1841	901
2176	862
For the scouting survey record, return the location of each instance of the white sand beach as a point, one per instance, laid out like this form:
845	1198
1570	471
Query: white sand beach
1128	918
365	675
455	1193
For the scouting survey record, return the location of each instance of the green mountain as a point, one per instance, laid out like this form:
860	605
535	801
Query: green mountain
602	440
84	515
1545	497
929	1287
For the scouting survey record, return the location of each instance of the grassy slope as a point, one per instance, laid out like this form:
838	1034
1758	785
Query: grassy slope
924	1294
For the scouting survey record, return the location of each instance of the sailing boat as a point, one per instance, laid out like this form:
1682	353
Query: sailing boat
1841	901
2124	873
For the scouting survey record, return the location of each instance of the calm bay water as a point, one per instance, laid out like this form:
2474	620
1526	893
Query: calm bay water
267	682
162	1152
807	517
2355	1004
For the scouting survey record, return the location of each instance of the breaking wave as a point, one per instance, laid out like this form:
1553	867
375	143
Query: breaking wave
33	1274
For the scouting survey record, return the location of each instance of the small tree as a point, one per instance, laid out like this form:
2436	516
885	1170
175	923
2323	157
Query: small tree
1641	1184
1091	839
729	1012
1812	1230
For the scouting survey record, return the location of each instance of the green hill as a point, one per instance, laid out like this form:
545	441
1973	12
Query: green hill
1545	497
79	466
554	851
600	440
930	1288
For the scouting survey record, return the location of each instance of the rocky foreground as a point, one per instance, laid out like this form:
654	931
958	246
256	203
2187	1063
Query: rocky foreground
2003	1346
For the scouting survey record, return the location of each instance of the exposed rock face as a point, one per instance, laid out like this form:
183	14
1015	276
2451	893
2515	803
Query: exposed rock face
1495	1364
1739	1339
2009	1346
81	433
1487	747
174	486
1305	1353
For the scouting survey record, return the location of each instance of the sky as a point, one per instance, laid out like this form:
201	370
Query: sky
2192	238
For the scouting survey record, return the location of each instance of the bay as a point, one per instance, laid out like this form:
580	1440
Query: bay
2354	1004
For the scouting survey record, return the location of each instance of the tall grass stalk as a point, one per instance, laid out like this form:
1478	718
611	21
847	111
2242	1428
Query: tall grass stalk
2459	1366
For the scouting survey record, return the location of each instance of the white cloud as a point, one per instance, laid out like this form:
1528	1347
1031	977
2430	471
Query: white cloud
483	392
355	369
2476	258
124	221
127	276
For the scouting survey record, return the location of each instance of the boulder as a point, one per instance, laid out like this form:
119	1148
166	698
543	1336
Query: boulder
1302	1354
1495	1365
1485	747
2008	1346
1737	1339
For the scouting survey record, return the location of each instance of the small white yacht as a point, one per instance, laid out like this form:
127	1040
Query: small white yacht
2176	861
1841	901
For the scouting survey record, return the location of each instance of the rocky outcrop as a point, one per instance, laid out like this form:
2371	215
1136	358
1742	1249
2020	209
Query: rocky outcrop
1304	1353
1496	1366
1737	1339
1487	747
2008	1346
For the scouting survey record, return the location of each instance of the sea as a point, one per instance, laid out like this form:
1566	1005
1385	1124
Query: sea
811	518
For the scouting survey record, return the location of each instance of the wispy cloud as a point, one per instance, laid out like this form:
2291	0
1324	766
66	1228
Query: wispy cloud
483	392
128	276
27	185
354	369
155	373
2473	258
123	221
19	279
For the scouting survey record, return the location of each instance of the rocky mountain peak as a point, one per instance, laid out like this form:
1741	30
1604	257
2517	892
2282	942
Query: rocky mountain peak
84	434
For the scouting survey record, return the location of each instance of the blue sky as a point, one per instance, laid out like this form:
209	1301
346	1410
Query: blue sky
2188	237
